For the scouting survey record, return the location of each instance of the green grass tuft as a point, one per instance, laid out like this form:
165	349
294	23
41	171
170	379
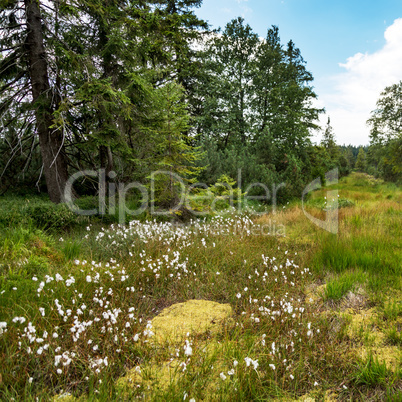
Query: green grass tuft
394	337
71	249
372	373
342	284
392	310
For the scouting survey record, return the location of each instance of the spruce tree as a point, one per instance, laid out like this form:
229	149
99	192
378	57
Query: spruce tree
28	78
328	142
361	160
172	154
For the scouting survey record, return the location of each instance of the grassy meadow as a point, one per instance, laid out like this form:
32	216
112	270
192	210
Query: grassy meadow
316	316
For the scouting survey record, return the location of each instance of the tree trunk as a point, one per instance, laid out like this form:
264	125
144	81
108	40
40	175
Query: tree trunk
50	140
105	152
106	159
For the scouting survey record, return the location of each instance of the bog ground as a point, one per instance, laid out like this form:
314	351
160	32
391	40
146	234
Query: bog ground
308	314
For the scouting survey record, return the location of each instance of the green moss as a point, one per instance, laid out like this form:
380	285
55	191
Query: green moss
171	326
194	316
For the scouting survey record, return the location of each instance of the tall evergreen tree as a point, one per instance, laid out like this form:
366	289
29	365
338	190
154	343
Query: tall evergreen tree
182	29
230	66
361	160
28	76
298	114
386	134
101	64
171	153
328	142
267	81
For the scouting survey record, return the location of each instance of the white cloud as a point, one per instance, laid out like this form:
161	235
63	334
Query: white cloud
241	9
356	90
227	10
245	11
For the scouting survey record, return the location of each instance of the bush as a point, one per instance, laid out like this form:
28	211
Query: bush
344	203
11	212
48	216
36	265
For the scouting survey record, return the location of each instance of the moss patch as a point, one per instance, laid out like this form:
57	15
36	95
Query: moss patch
329	396
65	398
193	316
390	355
363	328
156	377
152	376
359	321
314	293
170	327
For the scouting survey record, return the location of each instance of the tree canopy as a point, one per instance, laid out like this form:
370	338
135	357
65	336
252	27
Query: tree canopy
136	86
385	152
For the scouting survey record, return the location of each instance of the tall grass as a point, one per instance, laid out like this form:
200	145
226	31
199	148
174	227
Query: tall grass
373	373
376	255
340	285
76	309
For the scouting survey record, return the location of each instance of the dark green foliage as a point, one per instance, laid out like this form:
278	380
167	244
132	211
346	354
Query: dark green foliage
344	165
329	155
247	165
252	87
328	142
52	217
385	151
111	63
38	213
227	89
361	161
171	155
320	162
386	120
256	114
344	203
133	96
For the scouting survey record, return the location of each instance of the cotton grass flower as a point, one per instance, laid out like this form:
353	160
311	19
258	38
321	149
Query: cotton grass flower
188	351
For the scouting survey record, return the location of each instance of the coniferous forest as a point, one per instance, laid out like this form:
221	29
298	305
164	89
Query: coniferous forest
139	86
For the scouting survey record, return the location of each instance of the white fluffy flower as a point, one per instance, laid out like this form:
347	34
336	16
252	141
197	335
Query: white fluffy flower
188	350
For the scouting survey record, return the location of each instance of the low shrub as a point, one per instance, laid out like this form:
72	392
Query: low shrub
48	216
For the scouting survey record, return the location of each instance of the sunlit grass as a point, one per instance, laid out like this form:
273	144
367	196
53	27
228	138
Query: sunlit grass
155	267
342	284
392	310
394	336
109	281
373	373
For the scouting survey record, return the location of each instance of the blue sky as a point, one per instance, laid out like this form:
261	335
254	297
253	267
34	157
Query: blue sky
352	48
